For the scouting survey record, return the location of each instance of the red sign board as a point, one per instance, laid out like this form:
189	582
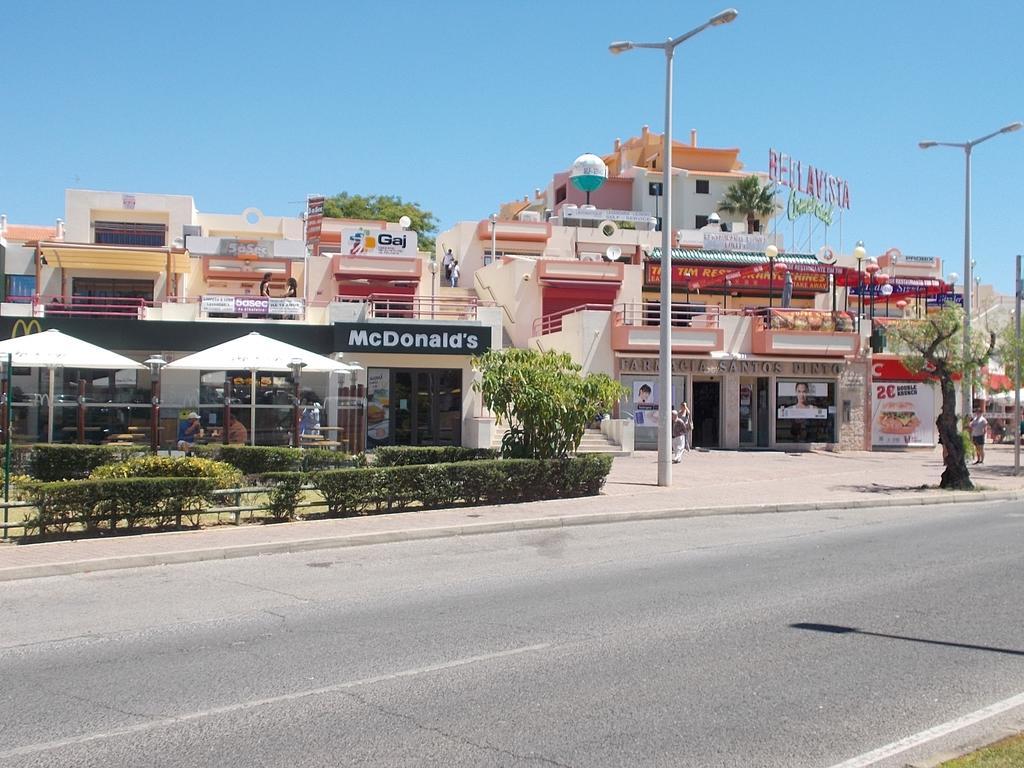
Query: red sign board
712	278
314	220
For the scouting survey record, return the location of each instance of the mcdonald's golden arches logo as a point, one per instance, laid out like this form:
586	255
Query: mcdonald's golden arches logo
24	327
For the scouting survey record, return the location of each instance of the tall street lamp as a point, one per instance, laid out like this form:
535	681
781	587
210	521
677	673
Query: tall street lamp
859	253
967	146
156	364
296	364
665	353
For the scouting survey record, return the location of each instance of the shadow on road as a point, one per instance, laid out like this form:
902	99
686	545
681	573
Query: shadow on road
880	488
834	629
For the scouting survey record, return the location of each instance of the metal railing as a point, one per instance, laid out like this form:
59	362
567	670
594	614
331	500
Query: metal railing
552	323
389	305
89	306
796	319
235	512
681	315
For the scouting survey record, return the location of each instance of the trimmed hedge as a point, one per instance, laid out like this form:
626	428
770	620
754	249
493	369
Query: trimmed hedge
404	455
284	492
223	474
106	503
260	459
376	490
50	462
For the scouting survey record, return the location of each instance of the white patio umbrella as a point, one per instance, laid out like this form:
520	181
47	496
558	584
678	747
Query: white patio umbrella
53	349
256	352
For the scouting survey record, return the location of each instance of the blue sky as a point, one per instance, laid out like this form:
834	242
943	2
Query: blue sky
461	106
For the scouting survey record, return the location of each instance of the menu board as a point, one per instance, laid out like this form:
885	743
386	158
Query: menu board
903	414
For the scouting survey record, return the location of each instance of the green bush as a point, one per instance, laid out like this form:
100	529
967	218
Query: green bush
106	503
284	492
402	455
68	462
313	459
260	459
375	489
223	474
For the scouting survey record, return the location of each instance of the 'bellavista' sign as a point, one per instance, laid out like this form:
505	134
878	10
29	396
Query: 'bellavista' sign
410	338
808	180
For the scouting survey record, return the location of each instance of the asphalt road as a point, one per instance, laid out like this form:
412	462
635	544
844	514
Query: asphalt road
666	643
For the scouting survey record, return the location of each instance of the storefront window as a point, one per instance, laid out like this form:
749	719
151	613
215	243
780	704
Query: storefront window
805	411
272	407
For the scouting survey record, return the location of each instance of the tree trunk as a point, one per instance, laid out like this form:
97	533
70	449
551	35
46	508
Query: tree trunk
956	476
751	220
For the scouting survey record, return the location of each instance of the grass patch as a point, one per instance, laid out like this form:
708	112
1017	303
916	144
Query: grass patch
1008	753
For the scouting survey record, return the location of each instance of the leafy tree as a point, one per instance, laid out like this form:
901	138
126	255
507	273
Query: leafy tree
936	345
543	399
748	198
384	208
1009	350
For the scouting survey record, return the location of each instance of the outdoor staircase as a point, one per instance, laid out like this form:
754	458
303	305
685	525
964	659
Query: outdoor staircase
594	441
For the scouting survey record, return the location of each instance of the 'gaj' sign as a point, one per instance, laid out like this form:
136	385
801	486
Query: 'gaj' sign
822	192
378	242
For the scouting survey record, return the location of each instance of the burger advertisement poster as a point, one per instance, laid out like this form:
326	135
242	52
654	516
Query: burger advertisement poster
903	414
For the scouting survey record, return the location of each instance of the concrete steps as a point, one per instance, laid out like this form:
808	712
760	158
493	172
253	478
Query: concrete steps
594	441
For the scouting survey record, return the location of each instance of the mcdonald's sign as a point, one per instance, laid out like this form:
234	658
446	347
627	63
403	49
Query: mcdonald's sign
23	327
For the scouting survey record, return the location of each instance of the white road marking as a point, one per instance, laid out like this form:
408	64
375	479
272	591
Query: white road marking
149	725
890	750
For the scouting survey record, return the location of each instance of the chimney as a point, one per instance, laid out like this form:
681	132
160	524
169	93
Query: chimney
618	144
60	229
645	131
536	191
693	137
3	223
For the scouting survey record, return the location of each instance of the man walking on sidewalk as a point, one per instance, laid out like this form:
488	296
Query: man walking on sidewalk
678	437
979	425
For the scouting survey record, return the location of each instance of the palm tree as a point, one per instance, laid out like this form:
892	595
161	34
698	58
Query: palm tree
748	198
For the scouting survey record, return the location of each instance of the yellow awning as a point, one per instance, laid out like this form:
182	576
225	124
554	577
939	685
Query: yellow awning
114	258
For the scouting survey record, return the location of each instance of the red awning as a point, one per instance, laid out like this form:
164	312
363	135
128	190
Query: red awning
998	382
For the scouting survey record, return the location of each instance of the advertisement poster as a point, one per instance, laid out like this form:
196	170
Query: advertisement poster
802	399
645	403
378	402
903	414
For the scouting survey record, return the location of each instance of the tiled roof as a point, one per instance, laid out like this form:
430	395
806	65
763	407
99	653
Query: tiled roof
27	232
700	256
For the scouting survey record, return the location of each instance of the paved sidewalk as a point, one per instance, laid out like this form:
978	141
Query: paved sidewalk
705	483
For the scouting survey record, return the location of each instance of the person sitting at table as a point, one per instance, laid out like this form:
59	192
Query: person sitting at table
237	433
189	430
310	423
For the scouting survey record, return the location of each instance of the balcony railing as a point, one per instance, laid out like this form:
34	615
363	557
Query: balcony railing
386	305
552	323
680	315
794	319
89	306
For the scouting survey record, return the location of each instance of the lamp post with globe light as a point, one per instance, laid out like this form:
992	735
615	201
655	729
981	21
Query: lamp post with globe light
968	147
665	338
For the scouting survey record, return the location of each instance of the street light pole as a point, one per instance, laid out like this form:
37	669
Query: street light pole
1019	290
665	314
156	364
967	147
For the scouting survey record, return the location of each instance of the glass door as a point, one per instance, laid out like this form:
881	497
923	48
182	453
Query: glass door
425	408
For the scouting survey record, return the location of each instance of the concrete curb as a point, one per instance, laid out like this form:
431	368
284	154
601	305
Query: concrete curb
226	552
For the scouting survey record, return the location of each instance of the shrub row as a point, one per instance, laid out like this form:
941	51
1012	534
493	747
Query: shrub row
402	455
49	462
105	503
102	502
258	460
148	465
425	486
